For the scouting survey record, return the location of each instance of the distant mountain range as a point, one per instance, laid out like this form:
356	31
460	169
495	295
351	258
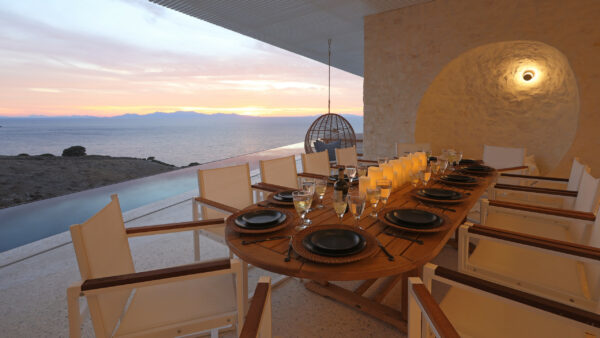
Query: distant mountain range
185	114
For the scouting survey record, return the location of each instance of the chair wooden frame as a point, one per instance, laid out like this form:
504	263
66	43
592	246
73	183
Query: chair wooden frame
469	232
258	320
98	286
425	313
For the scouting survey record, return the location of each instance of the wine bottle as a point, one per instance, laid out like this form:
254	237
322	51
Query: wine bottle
340	187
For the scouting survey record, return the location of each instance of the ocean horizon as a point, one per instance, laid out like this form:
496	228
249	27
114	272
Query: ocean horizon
174	138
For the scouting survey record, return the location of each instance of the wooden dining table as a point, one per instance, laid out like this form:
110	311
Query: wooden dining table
411	250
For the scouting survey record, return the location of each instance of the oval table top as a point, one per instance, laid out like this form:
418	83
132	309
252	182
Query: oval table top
408	254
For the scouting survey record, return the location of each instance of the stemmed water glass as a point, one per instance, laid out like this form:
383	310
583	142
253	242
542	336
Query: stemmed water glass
357	206
373	196
309	186
415	178
382	160
351	172
361	170
425	175
302	201
320	188
339	205
385	187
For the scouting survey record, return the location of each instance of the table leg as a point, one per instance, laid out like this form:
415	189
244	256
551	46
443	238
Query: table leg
372	308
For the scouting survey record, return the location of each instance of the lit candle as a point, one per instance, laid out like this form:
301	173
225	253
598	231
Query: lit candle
388	171
364	182
397	167
375	173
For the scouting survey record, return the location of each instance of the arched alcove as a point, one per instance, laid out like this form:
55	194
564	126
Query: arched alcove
515	94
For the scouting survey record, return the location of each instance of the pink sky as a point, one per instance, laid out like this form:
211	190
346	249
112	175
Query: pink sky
111	57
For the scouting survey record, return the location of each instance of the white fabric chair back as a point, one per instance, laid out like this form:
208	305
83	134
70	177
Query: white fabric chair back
346	156
503	157
403	149
102	250
316	163
587	193
229	185
575	176
280	171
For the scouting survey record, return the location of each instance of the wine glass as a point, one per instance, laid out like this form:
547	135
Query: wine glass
351	172
357	206
339	206
385	186
373	196
435	167
302	201
309	186
361	170
425	175
382	160
415	178
443	165
459	156
320	188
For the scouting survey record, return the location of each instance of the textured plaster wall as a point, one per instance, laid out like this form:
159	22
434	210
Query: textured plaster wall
406	49
481	98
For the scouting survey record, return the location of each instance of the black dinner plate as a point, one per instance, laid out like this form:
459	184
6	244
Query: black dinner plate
459	178
334	242
482	168
414	218
439	194
467	161
260	219
284	196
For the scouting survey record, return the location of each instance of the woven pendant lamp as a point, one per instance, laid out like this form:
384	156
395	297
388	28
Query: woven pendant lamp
329	127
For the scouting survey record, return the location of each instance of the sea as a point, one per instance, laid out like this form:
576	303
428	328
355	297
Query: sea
177	139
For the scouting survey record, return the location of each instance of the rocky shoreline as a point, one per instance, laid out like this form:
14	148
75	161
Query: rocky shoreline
25	178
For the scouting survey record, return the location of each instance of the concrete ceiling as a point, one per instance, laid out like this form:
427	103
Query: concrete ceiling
300	26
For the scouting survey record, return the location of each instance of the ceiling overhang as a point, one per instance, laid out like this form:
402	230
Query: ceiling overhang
299	26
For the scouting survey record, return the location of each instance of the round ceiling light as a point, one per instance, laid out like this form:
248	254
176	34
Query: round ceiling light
528	75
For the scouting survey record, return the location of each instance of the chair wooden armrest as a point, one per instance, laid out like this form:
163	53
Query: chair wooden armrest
335	166
512	168
547	191
317	176
543	178
368	161
171	227
536	241
259	306
586	216
139	279
271	187
432	311
217	205
544	304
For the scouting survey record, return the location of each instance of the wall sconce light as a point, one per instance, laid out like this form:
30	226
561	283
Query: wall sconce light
528	75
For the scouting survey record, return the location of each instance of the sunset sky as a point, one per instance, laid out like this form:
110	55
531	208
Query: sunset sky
111	57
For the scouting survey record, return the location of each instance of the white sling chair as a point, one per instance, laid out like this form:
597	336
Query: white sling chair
280	171
167	302
258	319
403	149
545	191
565	272
349	157
316	163
544	221
223	191
473	307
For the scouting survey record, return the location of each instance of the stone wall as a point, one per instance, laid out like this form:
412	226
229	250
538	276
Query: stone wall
407	50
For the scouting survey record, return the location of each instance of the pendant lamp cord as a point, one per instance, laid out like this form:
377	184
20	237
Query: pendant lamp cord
329	85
